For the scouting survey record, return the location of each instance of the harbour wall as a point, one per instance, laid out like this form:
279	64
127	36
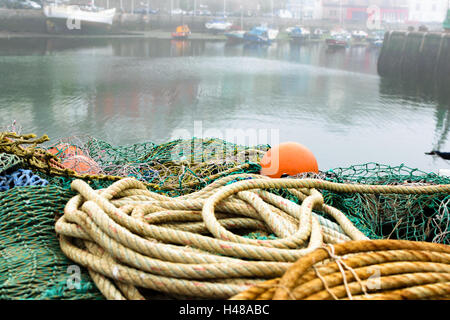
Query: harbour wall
416	56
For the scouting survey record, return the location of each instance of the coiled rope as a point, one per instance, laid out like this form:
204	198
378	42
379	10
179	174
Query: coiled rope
130	238
363	270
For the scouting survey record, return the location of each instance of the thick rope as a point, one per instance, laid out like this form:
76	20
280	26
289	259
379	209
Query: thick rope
375	270
161	243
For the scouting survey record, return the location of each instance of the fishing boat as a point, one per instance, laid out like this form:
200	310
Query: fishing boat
299	33
359	35
218	25
63	18
317	34
337	42
338	39
181	33
235	36
261	34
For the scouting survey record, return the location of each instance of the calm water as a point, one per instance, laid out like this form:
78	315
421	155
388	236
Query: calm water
130	90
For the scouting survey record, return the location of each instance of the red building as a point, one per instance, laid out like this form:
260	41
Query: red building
357	10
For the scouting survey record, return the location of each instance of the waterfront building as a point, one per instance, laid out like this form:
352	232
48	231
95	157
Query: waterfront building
305	9
391	11
427	11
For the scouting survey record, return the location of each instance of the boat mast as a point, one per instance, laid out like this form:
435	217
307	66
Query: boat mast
242	17
273	13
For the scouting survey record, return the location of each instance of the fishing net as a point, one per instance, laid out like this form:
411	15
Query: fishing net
20	178
31	264
406	217
177	168
8	161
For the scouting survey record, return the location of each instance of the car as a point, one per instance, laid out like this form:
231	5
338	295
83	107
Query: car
17	4
222	14
178	11
33	4
146	11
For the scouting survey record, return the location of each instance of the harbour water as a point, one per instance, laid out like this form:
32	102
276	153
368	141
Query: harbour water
134	90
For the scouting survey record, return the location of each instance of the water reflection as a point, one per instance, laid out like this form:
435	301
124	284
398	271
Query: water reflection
420	93
130	90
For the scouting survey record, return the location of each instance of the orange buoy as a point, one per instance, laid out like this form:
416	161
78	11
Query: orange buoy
288	158
65	150
81	164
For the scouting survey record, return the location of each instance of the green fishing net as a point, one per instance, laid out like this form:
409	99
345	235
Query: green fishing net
175	168
32	265
406	217
8	161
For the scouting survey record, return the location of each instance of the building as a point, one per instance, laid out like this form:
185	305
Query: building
428	11
305	9
356	11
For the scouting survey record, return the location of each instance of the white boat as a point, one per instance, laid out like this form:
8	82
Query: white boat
360	35
218	25
73	18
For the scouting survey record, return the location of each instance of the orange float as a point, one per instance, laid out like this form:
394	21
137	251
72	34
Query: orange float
81	164
65	150
289	158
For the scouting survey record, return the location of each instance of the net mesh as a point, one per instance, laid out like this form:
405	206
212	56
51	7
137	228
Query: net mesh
31	264
178	167
407	217
8	161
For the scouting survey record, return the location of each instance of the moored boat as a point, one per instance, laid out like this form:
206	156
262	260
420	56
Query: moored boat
338	39
337	42
182	33
299	33
261	34
65	18
359	35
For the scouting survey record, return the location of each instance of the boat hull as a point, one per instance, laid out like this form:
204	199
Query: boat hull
57	25
333	43
256	39
180	36
235	36
266	38
70	20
